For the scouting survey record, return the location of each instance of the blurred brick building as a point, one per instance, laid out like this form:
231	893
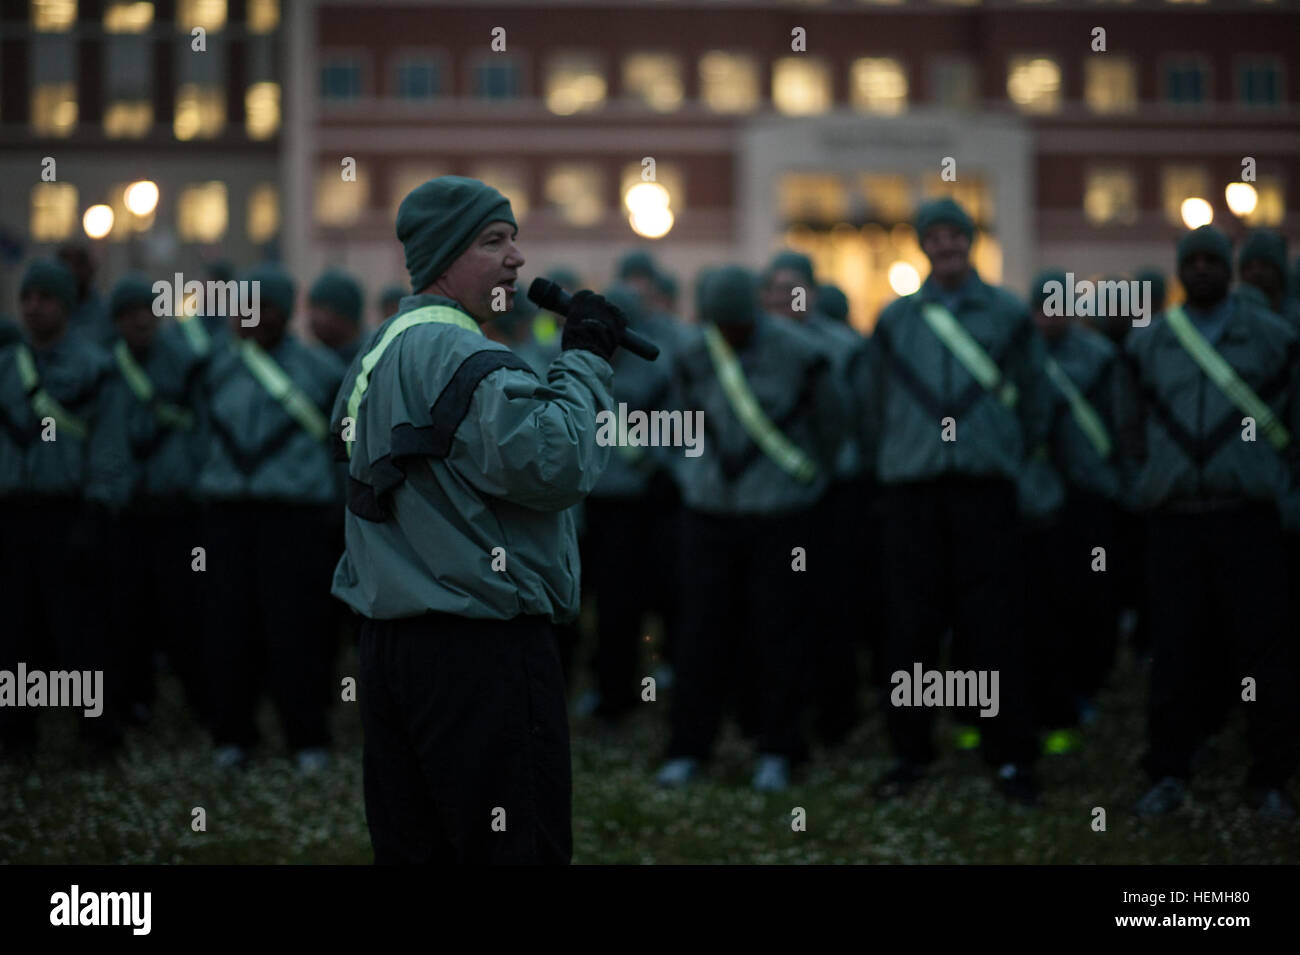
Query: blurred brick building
1067	155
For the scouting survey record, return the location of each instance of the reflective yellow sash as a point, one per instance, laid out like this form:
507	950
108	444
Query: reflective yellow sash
430	314
43	403
770	440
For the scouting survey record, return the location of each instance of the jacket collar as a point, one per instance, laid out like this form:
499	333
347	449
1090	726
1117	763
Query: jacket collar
973	290
410	303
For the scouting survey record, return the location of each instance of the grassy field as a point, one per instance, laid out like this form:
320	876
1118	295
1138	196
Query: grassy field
140	810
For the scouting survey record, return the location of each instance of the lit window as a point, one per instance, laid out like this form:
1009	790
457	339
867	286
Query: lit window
1182	182
262	110
956	82
1271	207
200	111
1186	81
263	15
497	77
1034	83
1110	84
208	14
1259	82
667	175
879	85
728	82
655	79
340	79
813	198
263	213
54	109
201	214
577	193
128	112
508	180
54	211
574	83
131	17
1110	197
418	78
889	197
53	16
54	85
125	119
801	85
338	202
406	178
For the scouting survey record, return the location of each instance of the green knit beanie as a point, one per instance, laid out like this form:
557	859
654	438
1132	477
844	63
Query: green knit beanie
337	290
52	277
437	221
636	263
943	211
1205	239
1267	245
730	296
276	286
131	291
793	261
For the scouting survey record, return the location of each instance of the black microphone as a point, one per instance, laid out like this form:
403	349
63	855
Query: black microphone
546	294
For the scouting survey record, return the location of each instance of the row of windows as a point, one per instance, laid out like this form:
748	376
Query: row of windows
202	213
200	112
137	16
128	88
577	193
801	85
1110	195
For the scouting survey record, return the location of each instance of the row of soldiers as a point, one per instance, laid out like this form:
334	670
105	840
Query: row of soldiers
975	467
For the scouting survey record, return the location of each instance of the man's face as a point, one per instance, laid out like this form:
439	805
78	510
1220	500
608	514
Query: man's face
330	328
137	326
269	329
948	250
778	294
1266	277
1205	277
492	261
44	315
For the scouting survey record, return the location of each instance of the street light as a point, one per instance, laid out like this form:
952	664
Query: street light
1242	198
98	221
903	278
141	197
648	204
1196	212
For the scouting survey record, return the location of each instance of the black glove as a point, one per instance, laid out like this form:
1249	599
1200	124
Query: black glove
593	324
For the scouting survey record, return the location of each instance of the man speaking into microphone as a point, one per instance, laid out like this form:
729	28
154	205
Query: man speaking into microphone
461	552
